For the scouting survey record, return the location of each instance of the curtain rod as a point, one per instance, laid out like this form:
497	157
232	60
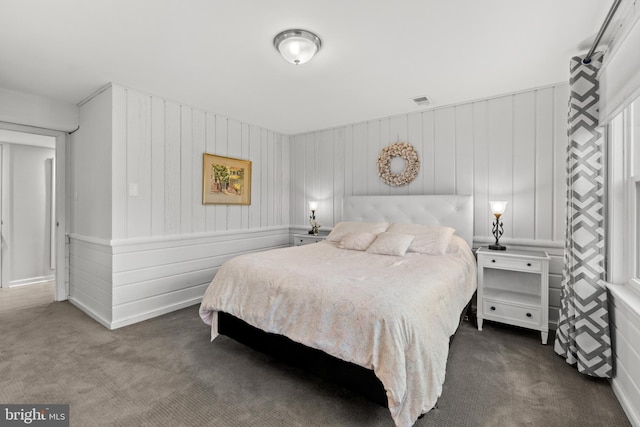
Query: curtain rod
605	24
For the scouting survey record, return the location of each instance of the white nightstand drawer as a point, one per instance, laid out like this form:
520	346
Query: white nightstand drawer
513	264
306	239
512	312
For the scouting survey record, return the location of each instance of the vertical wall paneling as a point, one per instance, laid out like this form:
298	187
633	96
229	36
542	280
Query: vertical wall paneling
90	164
138	177
221	149
361	161
119	164
414	137
256	176
501	156
324	154
385	124
375	142
157	166
445	151
186	170
428	159
524	165
234	130
560	107
464	149
508	147
198	147
298	180
397	133
544	138
481	154
269	179
172	173
265	195
210	144
338	174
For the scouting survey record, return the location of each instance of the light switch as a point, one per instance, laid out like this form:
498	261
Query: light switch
133	190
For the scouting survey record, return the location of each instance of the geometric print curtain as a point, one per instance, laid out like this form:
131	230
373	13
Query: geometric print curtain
582	337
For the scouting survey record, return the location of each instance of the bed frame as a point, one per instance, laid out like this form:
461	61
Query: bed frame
450	210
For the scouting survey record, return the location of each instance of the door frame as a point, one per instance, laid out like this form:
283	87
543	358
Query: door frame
62	284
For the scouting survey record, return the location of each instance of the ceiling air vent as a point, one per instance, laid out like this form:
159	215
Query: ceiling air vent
422	100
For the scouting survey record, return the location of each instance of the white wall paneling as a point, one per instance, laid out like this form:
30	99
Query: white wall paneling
155	276
90	277
90	157
510	147
148	152
625	332
158	147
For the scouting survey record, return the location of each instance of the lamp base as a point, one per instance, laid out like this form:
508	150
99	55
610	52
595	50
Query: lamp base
498	247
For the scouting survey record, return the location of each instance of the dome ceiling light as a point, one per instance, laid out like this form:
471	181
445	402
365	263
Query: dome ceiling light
297	46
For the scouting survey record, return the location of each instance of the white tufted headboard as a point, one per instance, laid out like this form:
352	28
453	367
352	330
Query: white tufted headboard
450	210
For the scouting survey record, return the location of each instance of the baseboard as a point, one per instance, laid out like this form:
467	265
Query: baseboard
154	313
629	409
31	281
89	312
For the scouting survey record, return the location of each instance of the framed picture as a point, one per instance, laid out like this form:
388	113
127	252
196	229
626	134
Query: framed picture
225	181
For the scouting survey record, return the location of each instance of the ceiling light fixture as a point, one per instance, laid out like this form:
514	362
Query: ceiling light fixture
297	46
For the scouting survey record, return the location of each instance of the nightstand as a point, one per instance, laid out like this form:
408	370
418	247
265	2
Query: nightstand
513	288
306	239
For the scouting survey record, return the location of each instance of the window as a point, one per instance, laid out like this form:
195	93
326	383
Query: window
623	203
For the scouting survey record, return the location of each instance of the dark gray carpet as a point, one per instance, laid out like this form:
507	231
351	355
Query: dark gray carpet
165	372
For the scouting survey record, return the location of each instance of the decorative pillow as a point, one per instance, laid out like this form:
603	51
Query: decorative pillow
343	228
391	244
357	241
429	239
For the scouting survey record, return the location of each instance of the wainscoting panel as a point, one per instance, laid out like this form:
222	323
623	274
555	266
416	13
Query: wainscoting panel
156	276
126	281
90	285
510	148
625	317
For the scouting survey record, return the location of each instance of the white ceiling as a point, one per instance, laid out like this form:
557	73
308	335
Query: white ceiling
218	55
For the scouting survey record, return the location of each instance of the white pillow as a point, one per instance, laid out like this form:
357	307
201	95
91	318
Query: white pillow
357	241
343	228
391	244
429	239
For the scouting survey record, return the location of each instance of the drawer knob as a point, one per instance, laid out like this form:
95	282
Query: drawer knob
493	308
528	264
528	314
493	260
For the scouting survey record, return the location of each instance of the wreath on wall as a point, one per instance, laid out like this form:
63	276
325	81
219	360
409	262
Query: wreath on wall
405	151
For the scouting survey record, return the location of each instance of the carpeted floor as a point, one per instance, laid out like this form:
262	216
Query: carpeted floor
165	372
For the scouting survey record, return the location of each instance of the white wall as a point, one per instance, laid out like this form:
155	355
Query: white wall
507	148
155	249
26	232
32	110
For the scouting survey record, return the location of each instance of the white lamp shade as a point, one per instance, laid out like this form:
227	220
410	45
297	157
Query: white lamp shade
313	205
297	46
498	207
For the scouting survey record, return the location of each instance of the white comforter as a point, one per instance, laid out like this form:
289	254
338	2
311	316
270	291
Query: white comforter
392	314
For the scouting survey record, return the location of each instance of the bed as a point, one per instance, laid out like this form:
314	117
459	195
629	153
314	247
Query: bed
361	313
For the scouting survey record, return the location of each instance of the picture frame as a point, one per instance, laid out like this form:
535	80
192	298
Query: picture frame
225	180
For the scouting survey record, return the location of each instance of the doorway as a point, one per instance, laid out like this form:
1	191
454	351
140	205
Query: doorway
47	148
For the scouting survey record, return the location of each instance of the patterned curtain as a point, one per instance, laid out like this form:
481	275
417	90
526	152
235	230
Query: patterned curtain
583	327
